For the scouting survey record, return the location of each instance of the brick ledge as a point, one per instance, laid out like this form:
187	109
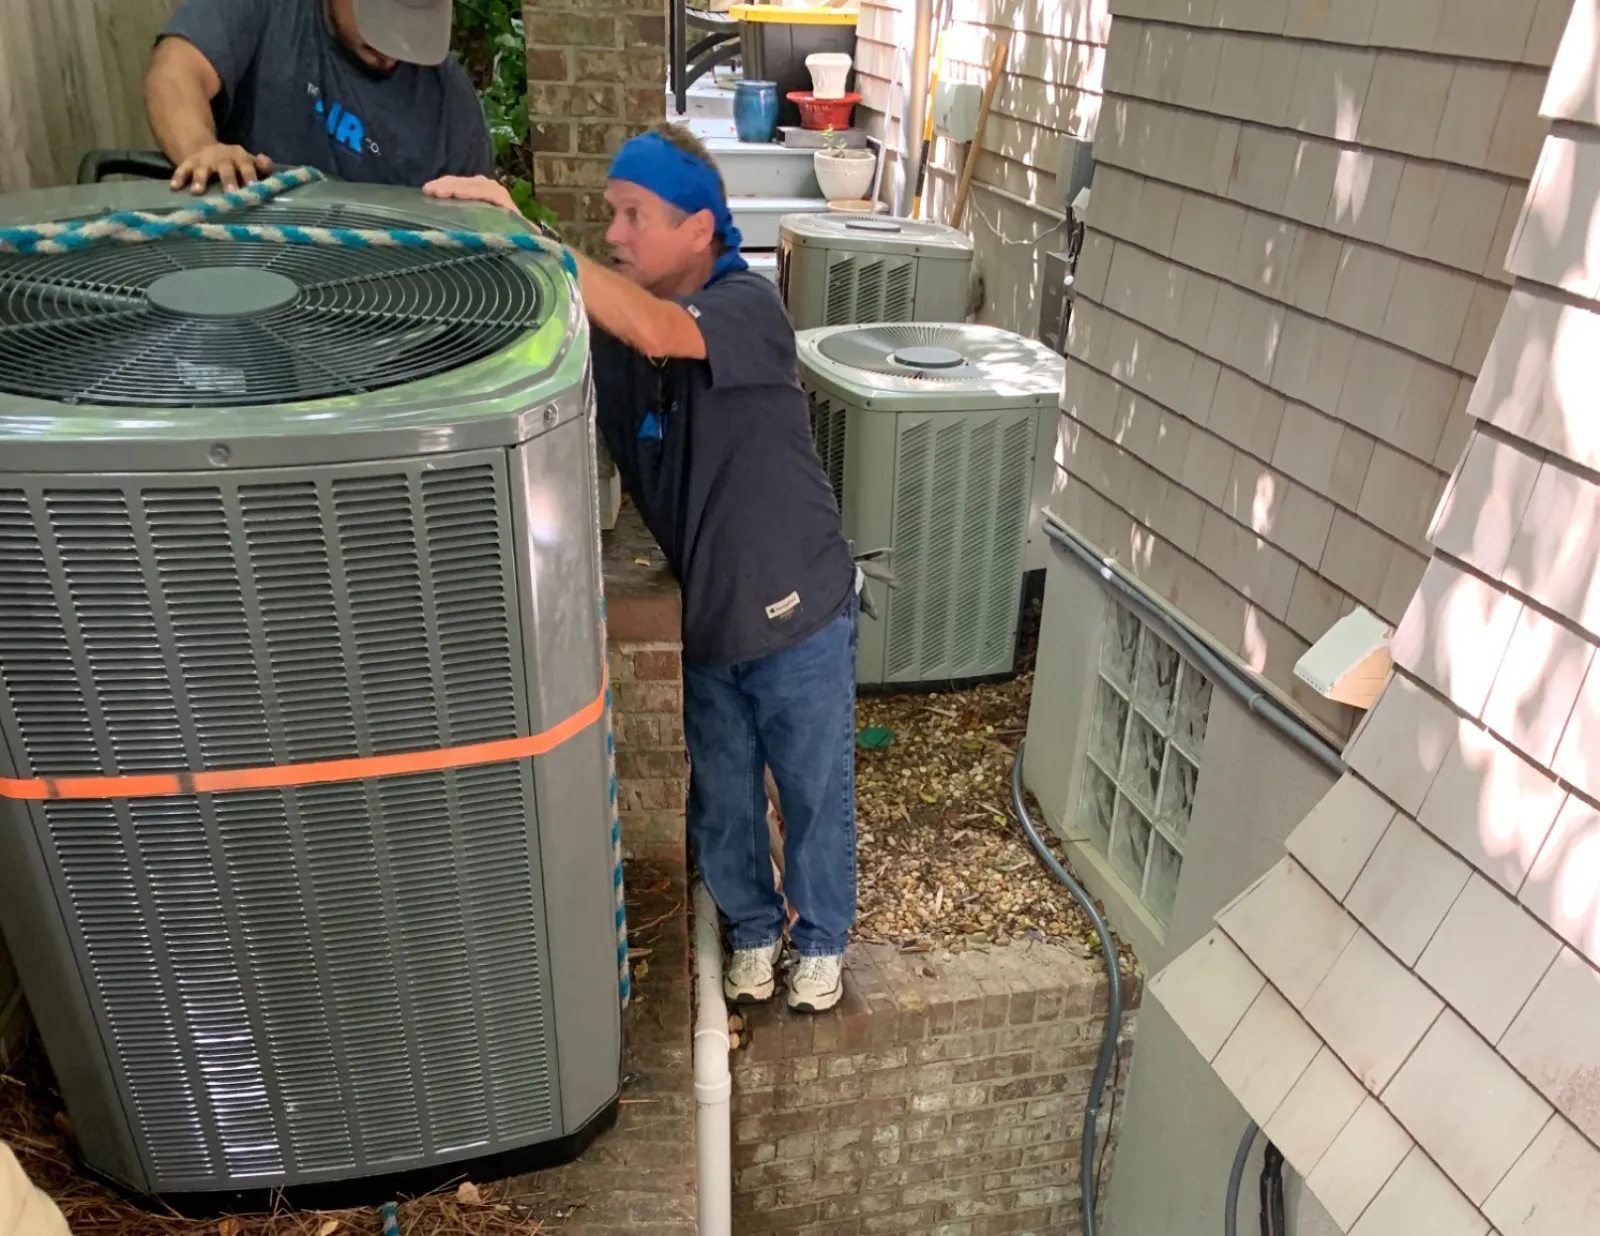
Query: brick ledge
642	600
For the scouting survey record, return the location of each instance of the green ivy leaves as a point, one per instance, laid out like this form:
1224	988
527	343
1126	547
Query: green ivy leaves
493	48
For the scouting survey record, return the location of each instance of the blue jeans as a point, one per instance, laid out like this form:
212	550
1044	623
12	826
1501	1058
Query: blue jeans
792	711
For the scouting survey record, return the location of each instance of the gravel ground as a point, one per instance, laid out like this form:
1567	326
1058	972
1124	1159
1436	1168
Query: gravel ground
943	863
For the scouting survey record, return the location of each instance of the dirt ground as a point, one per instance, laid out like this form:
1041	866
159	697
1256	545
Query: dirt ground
943	863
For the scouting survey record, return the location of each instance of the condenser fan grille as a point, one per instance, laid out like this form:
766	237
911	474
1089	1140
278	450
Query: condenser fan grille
184	323
929	353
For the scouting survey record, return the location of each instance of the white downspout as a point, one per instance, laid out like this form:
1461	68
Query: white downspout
713	1083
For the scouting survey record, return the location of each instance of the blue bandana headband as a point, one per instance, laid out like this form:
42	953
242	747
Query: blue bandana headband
679	179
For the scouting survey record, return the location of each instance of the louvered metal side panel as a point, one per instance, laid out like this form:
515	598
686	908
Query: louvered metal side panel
299	984
959	531
1011	500
865	287
839	299
912	504
899	290
828	425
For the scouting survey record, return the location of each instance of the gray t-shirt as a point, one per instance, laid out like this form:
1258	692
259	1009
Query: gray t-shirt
291	91
718	457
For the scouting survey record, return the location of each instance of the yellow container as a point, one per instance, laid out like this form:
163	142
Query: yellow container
781	15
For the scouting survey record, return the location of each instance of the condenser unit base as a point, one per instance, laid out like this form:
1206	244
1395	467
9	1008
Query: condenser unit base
369	1192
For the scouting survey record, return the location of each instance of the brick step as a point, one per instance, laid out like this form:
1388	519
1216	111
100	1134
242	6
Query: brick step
758	217
764	263
707	99
764	169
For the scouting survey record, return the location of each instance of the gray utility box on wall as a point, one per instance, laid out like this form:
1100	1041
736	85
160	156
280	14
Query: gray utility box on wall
838	269
265	510
929	434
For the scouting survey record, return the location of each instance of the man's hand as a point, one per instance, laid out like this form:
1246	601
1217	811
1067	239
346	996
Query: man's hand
472	189
231	165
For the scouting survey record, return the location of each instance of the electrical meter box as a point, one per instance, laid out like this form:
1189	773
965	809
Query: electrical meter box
955	110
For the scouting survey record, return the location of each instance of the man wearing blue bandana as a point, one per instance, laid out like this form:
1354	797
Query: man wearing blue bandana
700	404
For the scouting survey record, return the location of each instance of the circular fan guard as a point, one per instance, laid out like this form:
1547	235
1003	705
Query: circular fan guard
927	353
178	322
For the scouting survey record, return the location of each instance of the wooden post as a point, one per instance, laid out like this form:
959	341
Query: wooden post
997	66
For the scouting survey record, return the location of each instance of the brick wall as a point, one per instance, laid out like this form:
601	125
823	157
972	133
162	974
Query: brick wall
652	771
942	1098
597	74
644	650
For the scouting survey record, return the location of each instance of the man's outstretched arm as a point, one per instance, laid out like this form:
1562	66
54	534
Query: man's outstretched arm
645	322
178	89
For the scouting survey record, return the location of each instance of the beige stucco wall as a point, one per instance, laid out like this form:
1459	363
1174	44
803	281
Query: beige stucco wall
1181	1126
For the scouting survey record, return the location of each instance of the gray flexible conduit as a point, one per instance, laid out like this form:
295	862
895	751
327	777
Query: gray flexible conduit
1274	714
1230	1216
1108	950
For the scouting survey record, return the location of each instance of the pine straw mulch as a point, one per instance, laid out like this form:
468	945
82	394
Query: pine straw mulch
943	863
31	1123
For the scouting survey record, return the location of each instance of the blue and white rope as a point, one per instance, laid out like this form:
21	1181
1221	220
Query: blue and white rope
198	223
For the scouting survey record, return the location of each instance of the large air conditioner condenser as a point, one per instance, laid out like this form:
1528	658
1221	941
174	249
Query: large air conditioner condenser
836	269
307	845
932	438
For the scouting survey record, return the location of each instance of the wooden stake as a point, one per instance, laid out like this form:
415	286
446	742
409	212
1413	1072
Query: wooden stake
997	66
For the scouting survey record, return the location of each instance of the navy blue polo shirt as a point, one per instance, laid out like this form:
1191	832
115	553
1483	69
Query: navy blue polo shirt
717	456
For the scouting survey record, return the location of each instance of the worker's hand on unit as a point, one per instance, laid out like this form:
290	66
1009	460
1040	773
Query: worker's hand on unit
232	166
472	189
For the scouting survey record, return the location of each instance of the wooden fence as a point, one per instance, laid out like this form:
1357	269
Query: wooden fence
71	80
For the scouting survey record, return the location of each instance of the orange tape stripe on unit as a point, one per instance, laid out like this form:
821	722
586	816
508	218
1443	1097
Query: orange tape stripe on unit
324	772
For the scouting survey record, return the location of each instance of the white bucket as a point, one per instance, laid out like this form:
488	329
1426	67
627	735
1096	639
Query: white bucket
829	72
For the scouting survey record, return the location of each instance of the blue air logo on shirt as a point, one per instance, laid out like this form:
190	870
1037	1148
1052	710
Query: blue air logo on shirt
345	127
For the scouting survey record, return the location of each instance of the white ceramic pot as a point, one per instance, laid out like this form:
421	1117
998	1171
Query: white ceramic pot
844	175
829	72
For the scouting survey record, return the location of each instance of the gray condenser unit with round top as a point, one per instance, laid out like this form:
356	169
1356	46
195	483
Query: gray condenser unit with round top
931	436
837	268
299	557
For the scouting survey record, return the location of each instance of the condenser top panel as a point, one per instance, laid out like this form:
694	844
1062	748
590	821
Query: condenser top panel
178	338
938	367
876	233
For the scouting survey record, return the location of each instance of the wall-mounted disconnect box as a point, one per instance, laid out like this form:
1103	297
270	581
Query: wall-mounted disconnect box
955	110
1074	167
1055	301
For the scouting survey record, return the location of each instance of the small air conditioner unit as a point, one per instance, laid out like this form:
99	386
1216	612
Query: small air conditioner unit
299	568
929	434
835	269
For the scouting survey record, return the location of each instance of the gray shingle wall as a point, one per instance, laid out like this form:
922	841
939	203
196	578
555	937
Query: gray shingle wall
1293	270
1441	906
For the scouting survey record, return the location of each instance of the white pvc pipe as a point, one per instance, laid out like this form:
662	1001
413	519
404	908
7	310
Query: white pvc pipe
713	1083
916	104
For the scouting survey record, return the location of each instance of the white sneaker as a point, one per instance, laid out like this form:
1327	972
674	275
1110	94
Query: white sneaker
816	984
749	978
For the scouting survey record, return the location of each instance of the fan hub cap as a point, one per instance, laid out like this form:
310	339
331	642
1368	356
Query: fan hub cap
222	292
928	358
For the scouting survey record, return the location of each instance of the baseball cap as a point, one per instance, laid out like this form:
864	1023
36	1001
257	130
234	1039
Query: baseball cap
415	31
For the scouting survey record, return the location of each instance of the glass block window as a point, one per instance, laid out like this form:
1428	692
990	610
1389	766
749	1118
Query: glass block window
1149	727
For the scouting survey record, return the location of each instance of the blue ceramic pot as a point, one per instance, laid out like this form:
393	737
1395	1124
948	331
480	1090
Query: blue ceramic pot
755	110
